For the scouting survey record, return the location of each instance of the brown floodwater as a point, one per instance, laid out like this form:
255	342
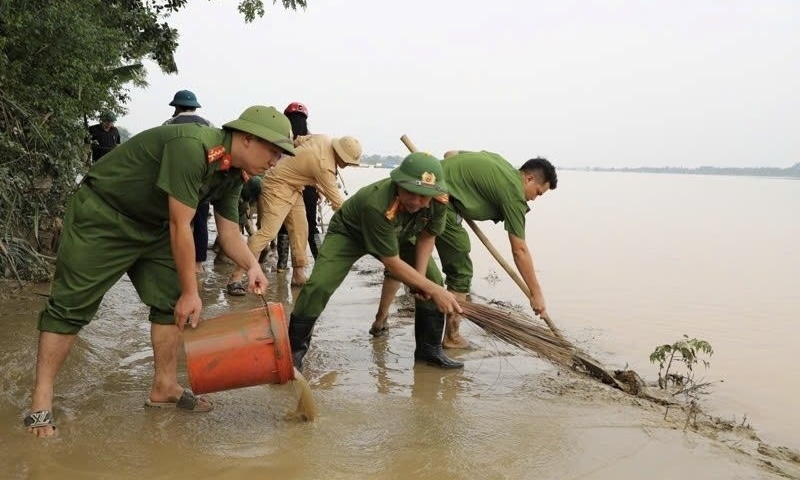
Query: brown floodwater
627	262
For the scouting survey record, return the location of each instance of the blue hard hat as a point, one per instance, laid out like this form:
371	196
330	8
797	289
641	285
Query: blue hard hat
184	98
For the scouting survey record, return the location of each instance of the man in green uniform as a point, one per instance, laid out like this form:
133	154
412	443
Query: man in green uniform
381	220
132	214
483	186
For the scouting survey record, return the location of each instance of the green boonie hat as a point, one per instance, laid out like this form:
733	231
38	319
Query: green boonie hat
184	98
108	117
420	173
266	123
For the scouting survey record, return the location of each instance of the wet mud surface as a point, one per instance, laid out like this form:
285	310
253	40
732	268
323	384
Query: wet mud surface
508	414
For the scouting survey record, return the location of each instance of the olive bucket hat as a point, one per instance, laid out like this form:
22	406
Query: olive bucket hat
348	149
420	173
184	98
266	123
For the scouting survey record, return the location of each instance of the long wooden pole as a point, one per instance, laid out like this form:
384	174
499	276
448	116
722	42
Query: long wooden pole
495	253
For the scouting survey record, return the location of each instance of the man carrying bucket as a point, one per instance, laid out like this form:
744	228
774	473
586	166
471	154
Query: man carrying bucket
132	214
483	186
380	220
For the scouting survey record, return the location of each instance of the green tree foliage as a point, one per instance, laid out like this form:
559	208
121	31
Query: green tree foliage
61	63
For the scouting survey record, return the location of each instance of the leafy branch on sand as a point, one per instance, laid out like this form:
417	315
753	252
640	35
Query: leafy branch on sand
676	371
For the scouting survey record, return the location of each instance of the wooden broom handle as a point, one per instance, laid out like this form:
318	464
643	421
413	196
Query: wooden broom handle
496	254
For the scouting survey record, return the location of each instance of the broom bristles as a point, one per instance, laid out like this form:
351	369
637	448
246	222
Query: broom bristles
519	330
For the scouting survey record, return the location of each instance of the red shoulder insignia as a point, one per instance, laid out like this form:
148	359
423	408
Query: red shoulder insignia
245	177
443	198
215	153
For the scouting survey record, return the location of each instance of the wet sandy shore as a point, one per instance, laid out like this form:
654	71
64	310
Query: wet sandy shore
508	414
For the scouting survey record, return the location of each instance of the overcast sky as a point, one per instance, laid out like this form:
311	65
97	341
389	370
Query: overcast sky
600	83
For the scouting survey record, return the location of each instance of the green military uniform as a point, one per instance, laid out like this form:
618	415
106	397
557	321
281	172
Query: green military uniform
483	186
250	192
372	222
369	223
117	221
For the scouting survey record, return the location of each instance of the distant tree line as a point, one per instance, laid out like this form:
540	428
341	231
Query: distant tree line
384	160
793	171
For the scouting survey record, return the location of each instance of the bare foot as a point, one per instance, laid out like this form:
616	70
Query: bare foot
452	337
298	278
378	328
198	268
43	432
455	341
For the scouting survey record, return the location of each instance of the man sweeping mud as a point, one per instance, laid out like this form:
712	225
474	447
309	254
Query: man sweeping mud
483	186
132	214
380	220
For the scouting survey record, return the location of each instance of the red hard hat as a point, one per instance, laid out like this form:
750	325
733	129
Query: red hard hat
296	107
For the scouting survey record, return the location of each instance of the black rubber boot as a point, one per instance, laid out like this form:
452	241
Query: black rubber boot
300	329
314	241
283	251
428	330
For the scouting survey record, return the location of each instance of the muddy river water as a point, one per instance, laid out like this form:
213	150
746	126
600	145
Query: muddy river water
627	262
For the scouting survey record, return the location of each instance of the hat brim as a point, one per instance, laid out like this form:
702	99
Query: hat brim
184	104
282	142
417	186
337	146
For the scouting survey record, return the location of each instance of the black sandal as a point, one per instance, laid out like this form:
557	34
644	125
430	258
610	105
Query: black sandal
237	289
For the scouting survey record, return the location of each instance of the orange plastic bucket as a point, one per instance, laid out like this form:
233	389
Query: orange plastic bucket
239	349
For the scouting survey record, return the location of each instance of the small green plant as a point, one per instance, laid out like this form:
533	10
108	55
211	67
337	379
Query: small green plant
689	352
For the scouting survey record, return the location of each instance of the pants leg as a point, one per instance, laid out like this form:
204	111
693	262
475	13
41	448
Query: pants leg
274	210
200	232
337	255
298	233
310	199
155	277
408	254
453	247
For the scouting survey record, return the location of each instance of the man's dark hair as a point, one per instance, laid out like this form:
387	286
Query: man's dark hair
542	167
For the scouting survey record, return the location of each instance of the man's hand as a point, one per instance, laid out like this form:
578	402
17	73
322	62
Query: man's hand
537	303
187	310
256	280
445	300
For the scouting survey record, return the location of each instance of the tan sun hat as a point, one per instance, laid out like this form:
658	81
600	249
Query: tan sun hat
348	149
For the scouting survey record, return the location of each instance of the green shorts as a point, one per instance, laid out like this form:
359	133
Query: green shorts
99	245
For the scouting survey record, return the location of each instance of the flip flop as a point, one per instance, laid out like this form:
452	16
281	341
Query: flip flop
42	418
188	402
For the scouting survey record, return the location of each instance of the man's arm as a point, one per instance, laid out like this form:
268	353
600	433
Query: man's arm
329	188
524	263
445	301
188	306
236	249
424	249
